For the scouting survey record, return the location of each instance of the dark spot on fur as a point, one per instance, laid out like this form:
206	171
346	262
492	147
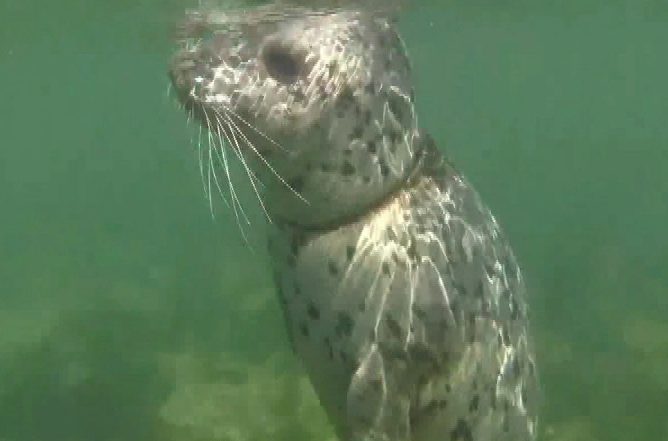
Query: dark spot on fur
461	289
454	307
281	294
516	368
347	169
393	326
333	269
367	117
480	290
357	132
430	408
462	431
297	183
313	312
422	354
386	268
505	336
303	329
395	137
412	251
299	95
395	257
394	353
330	350
392	144
524	395
346	98
514	310
475	402
332	67
350	252
372	147
384	169
344	324
492	396
396	105
419	312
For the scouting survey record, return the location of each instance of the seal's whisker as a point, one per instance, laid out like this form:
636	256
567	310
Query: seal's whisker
250	144
207	181
234	145
231	126
222	158
239	212
208	193
168	91
200	158
210	169
233	142
237	150
211	172
255	129
221	155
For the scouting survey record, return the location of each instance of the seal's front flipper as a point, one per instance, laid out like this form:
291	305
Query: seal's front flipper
376	409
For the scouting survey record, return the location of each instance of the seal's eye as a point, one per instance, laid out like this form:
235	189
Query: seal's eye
281	65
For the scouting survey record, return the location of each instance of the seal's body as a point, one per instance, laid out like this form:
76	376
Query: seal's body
401	296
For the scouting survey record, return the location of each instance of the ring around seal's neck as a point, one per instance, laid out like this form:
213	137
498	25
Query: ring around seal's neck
319	103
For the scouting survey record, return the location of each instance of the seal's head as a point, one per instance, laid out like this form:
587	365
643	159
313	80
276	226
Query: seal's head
321	100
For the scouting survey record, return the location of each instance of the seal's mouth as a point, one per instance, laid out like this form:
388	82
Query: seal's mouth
187	76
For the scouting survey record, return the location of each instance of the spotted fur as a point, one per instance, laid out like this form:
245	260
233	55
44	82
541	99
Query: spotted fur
401	296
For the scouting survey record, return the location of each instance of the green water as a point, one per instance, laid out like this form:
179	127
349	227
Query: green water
127	313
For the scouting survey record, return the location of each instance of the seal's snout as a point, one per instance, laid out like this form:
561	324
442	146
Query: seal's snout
188	74
180	71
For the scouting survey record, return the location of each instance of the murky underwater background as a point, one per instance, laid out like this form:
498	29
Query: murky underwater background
127	313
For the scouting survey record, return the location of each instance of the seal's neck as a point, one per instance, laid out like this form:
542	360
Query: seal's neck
331	197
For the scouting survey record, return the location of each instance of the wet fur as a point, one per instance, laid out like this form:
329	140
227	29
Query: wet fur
401	296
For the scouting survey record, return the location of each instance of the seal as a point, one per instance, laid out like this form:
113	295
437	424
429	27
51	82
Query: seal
402	297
